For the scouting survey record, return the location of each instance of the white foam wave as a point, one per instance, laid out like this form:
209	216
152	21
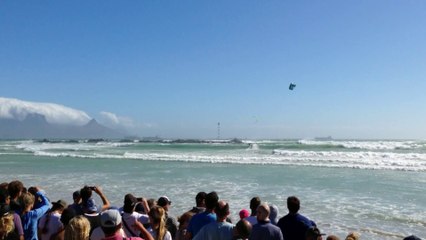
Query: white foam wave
367	145
310	159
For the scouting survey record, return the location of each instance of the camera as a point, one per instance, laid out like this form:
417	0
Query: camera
92	188
139	199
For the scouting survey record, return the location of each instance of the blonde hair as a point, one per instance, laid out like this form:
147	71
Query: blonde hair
77	229
158	223
353	236
6	225
27	199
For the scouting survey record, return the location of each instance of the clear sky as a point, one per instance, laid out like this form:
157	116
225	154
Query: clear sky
177	68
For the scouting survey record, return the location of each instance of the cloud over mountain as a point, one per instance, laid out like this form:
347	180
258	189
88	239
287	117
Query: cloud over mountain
16	109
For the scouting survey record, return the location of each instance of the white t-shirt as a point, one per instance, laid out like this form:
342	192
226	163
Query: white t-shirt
54	224
129	222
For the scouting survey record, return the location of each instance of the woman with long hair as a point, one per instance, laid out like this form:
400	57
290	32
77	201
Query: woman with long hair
157	220
6	224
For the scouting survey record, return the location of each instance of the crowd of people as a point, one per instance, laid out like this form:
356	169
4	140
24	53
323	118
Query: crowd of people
27	214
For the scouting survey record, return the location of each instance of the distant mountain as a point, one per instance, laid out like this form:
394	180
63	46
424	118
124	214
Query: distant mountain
35	126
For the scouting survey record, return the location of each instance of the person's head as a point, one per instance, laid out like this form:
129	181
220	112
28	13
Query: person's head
6	221
129	203
222	210
157	221
15	189
4	196
76	197
244	213
184	219
313	233
78	228
243	229
353	236
293	204
67	215
254	203
164	202
211	200
412	237
200	199
151	202
86	193
27	200
262	212
110	221
59	205
332	237
273	215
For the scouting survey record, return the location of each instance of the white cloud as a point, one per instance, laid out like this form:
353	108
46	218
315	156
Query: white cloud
114	121
54	113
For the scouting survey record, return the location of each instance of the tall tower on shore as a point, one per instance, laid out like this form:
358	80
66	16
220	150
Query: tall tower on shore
218	130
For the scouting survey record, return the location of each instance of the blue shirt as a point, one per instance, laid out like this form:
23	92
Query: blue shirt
30	219
265	231
216	231
294	226
199	220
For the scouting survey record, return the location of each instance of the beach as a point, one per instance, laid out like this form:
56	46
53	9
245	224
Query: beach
373	187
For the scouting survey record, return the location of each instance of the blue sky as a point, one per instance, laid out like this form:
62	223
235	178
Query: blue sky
176	68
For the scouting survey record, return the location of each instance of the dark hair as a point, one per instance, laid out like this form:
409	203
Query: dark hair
67	215
14	188
243	228
85	193
108	231
293	204
254	203
211	200
222	210
200	198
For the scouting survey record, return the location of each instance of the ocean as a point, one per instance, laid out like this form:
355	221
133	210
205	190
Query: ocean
377	188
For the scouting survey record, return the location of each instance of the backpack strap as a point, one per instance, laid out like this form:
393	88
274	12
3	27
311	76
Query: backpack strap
128	228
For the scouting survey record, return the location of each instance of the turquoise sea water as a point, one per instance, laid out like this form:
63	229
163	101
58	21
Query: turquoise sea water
374	187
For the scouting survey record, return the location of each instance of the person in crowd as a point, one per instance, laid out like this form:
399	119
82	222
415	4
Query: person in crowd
294	225
157	219
412	237
244	213
6	224
353	236
111	225
332	237
50	224
171	223
129	215
66	217
30	215
242	230
313	233
199	220
264	229
78	228
88	206
5	200
254	204
76	205
200	201
220	229
183	225
15	189
273	215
